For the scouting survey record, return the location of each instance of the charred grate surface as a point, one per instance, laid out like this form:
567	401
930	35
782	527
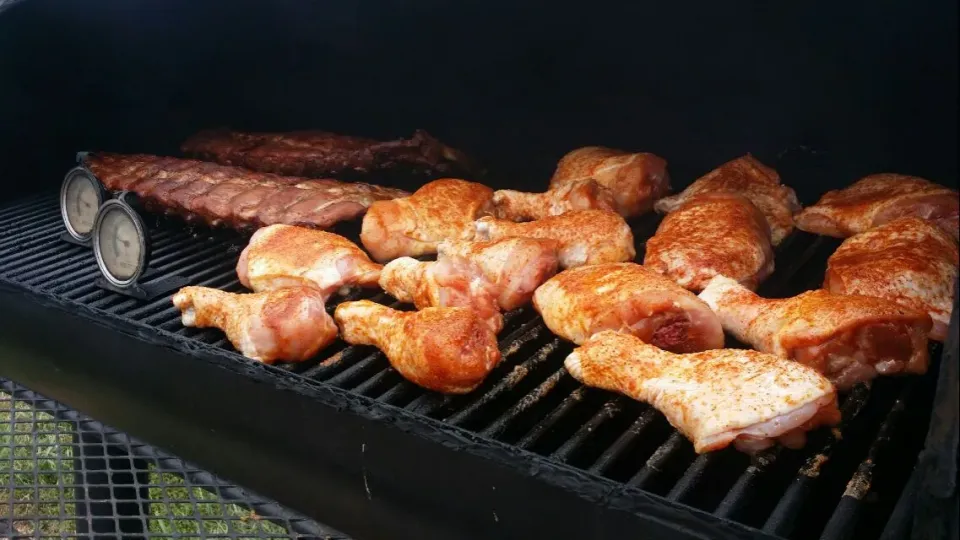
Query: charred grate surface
843	484
63	475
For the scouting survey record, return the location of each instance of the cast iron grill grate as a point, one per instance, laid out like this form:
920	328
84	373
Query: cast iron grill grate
828	489
63	475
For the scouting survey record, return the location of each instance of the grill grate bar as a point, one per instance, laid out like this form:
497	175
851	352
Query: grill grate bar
606	412
431	403
783	518
170	311
657	462
27	219
202	265
77	259
739	495
41	272
38	233
533	436
64	278
688	482
401	391
168	263
383	375
524	403
847	513
30	208
133	308
625	442
356	370
509	381
336	362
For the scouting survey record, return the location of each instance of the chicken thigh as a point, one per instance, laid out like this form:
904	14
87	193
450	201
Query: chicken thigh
713	397
748	177
710	235
578	303
281	256
910	261
636	180
412	226
848	338
515	266
878	199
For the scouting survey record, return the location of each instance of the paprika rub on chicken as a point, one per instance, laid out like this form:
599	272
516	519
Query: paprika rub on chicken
626	297
715	397
848	338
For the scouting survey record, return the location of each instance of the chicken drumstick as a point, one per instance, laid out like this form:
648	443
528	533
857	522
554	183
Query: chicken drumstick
449	350
286	324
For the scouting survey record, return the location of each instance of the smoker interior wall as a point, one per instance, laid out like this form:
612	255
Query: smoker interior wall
868	86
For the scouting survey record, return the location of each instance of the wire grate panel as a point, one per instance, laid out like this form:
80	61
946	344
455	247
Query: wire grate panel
531	402
63	475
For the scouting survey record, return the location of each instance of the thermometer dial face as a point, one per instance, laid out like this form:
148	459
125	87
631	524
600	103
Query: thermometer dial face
80	198
120	243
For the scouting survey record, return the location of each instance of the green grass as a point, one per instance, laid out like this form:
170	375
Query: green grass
38	452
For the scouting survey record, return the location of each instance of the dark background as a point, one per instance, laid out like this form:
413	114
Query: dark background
826	91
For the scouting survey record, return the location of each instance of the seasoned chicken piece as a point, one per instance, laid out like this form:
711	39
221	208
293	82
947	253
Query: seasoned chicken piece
285	256
714	397
910	261
578	303
449	350
748	177
584	236
878	199
635	179
848	338
286	324
576	195
412	226
515	266
711	235
451	282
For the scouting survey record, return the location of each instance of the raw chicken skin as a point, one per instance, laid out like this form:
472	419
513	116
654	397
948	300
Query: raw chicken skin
515	266
281	256
635	179
576	195
441	210
714	397
449	350
287	324
848	338
452	282
910	261
711	235
585	236
879	199
578	303
748	177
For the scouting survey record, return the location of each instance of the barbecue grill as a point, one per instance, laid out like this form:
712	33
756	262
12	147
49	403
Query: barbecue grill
530	453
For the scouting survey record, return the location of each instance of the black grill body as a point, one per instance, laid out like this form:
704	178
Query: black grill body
823	92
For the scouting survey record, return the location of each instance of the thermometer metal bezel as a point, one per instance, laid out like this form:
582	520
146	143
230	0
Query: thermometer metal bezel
80	174
118	205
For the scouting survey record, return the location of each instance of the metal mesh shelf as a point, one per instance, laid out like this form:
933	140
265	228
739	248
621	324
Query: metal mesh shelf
63	475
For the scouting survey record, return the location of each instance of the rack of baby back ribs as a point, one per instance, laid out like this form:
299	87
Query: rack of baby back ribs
685	331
